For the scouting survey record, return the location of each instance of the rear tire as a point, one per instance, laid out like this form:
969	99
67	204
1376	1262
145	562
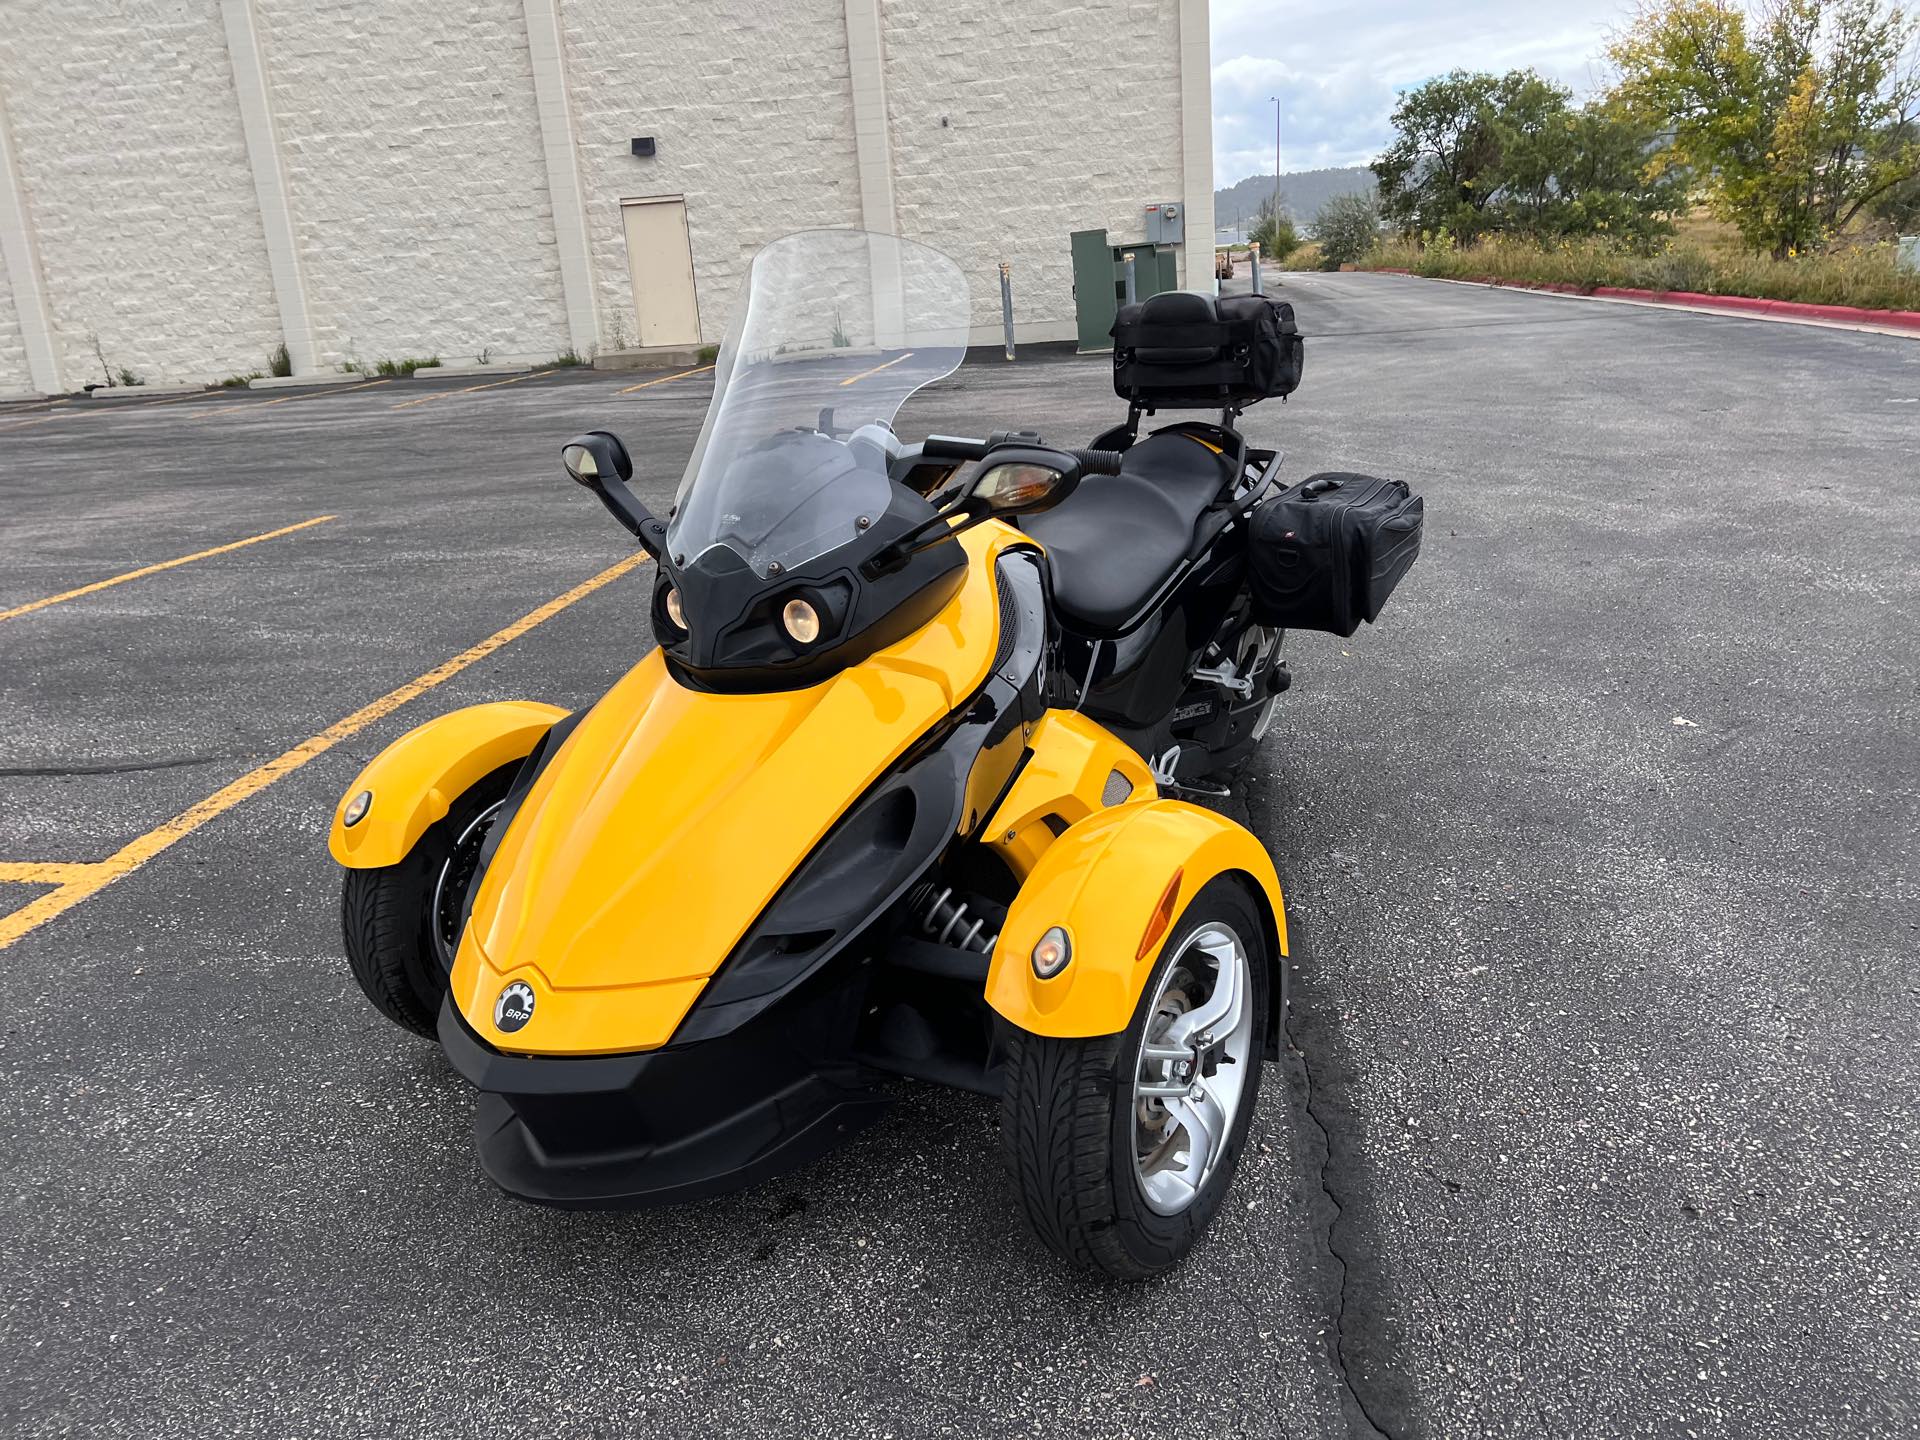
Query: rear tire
1072	1122
398	948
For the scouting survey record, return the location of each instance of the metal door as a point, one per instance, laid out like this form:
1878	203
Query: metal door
660	260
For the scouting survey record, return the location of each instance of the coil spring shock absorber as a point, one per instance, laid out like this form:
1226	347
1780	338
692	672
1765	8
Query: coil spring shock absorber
947	919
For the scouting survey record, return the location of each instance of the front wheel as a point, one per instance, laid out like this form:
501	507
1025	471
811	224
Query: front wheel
402	922
1121	1147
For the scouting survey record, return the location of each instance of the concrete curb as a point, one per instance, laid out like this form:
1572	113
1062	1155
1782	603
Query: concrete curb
1752	306
288	382
472	370
653	357
141	392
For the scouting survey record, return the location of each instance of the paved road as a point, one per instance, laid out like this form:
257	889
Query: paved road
1601	1120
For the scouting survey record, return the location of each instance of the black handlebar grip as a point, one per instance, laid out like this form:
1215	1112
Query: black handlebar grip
1098	462
952	447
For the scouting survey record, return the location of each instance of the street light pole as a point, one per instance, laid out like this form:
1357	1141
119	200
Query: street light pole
1276	150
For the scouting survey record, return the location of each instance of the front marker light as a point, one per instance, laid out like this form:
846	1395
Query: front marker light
802	621
357	808
1053	952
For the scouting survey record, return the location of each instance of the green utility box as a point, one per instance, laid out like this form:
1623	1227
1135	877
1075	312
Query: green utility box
1100	281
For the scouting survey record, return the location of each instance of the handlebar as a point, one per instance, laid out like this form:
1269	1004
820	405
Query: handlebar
954	447
959	447
1098	462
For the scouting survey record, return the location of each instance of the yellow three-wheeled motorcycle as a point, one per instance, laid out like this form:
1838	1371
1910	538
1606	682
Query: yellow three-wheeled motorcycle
896	794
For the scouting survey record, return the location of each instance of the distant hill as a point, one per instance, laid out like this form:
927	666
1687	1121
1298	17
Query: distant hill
1305	190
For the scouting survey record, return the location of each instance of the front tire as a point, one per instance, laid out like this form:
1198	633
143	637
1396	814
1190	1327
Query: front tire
1121	1147
401	922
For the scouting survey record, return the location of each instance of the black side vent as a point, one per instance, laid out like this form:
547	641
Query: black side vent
1009	619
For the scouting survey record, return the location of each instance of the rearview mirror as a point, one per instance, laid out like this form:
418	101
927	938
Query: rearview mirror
1022	480
600	462
596	457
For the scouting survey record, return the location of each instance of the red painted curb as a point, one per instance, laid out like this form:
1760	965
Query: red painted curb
1733	304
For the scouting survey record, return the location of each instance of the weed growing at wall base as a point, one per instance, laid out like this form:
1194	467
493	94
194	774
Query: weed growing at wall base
402	367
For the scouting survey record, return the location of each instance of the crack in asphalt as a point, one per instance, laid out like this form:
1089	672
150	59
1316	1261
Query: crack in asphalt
110	767
1337	1350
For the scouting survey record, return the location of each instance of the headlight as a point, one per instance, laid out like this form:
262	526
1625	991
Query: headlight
802	621
676	612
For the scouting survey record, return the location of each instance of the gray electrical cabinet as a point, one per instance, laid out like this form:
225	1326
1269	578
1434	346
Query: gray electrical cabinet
1166	223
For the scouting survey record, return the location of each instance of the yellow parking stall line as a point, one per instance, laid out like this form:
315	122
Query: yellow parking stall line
137	852
649	384
468	389
40	420
54	872
855	379
144	570
115	408
289	399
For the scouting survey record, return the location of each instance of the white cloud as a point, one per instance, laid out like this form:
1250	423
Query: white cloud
1339	67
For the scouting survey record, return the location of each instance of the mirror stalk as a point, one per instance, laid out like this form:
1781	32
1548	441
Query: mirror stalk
625	507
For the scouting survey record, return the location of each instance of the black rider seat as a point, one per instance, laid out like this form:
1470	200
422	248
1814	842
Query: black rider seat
1117	538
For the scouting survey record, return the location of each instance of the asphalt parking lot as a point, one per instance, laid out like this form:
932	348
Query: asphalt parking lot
1601	1114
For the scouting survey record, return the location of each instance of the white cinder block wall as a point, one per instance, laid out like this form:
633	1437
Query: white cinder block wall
13	351
752	109
133	172
410	149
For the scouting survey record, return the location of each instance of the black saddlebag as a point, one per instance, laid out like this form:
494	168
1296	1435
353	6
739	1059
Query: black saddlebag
1186	351
1326	554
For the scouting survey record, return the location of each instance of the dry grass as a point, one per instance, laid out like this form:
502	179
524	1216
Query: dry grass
1867	276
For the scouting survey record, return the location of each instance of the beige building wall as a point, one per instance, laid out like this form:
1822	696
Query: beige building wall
429	212
1013	125
411	149
14	377
751	105
133	172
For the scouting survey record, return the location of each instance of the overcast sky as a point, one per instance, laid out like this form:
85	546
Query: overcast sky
1339	64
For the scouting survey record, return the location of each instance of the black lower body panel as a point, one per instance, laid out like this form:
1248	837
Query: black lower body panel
666	1126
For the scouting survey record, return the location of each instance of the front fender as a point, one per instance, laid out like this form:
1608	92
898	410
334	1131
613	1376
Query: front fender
416	779
1101	881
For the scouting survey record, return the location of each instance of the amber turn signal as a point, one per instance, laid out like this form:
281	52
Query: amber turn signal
1162	917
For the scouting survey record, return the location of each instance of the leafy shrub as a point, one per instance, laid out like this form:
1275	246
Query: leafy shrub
1347	227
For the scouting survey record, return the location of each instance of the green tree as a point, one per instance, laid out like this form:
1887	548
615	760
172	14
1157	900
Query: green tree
1347	227
1791	124
1476	153
1442	169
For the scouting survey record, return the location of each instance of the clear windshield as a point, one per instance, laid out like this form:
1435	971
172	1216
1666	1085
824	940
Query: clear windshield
830	320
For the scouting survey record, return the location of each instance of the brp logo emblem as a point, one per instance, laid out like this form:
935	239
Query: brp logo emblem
514	1008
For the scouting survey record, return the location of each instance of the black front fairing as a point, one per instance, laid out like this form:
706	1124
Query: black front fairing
734	639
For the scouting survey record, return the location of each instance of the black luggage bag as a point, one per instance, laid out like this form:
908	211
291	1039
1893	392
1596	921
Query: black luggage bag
1185	351
1326	554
